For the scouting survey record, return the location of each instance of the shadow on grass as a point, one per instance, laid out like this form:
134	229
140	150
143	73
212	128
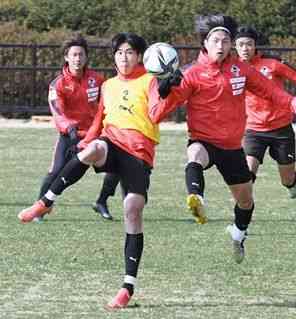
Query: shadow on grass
78	220
26	204
191	304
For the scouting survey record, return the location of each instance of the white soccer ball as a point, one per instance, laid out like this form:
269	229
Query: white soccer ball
161	60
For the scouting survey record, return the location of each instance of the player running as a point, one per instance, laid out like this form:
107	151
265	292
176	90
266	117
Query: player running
73	100
268	124
214	91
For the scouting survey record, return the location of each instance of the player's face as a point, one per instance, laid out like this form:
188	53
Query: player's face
218	45
245	48
126	59
76	58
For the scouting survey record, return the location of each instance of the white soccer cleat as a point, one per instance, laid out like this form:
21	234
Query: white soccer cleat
238	244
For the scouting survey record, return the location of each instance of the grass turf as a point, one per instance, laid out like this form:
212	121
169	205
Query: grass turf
72	264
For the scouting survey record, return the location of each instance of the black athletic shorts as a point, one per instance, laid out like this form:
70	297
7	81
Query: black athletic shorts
134	173
281	144
231	164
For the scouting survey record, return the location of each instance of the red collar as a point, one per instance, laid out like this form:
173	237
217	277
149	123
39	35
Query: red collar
68	75
204	59
137	72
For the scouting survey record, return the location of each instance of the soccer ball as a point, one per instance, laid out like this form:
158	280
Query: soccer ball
161	60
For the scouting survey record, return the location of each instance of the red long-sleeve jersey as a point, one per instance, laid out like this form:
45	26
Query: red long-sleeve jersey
263	114
215	99
74	101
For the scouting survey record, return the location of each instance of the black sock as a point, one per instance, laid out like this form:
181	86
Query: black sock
194	177
134	244
109	186
70	174
47	201
129	287
253	177
243	217
45	186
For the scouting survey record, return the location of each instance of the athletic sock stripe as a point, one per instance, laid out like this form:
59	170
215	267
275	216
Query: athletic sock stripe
130	280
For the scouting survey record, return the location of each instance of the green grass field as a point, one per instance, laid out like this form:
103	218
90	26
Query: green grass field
72	264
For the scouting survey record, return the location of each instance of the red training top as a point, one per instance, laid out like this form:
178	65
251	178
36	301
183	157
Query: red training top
215	99
263	115
73	101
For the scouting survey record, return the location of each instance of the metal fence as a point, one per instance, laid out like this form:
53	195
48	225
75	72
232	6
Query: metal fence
27	70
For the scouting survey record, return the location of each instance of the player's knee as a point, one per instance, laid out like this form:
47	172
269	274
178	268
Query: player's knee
92	153
245	199
133	217
134	205
246	202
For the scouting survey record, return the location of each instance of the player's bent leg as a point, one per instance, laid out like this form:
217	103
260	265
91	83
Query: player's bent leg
94	154
70	174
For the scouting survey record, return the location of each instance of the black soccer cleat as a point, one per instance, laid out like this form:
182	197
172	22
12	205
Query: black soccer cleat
103	210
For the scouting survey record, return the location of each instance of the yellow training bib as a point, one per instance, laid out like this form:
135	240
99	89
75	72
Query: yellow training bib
126	105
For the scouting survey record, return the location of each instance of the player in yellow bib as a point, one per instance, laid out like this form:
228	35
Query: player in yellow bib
121	141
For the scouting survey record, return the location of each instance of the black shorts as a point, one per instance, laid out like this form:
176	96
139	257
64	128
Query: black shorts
231	164
134	173
281	144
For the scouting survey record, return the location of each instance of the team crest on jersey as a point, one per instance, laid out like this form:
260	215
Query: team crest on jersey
235	70
266	72
91	82
237	82
69	87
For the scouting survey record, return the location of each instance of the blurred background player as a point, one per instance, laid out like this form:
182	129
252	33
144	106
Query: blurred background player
121	141
214	88
269	125
73	100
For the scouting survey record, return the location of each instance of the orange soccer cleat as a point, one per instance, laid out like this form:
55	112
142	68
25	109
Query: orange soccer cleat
36	211
120	300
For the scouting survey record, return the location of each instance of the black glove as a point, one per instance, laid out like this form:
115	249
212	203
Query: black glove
165	85
73	134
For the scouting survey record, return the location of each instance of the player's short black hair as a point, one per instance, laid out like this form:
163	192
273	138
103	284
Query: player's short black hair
246	31
204	24
135	41
75	40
